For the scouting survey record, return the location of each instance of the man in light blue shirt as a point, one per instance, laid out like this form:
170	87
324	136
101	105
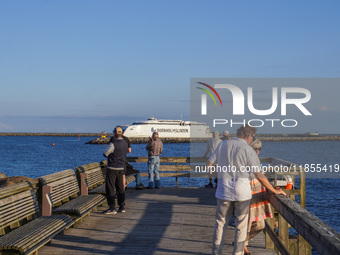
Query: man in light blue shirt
235	161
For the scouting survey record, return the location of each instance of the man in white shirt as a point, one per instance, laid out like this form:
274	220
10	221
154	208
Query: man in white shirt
235	160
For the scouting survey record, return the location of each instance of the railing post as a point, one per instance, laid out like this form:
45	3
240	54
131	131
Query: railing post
304	247
303	188
283	231
270	223
176	175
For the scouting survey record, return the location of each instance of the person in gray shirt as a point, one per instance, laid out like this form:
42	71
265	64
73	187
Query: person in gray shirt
154	148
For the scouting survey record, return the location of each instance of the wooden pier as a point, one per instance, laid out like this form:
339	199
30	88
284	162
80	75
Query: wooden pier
169	220
165	221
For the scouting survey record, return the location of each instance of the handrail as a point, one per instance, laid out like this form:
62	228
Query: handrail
323	238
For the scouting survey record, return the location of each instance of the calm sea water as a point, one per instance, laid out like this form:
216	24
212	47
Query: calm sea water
36	156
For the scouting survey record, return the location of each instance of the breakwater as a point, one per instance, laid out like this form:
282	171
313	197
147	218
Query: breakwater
265	138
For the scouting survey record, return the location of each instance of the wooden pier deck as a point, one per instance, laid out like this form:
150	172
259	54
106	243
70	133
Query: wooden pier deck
164	221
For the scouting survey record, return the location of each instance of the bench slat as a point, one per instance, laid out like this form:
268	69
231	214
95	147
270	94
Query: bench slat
81	204
100	189
13	189
36	233
57	176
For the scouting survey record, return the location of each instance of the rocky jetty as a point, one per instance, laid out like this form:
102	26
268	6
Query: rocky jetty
270	138
6	181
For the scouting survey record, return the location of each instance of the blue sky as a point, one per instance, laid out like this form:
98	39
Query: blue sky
86	66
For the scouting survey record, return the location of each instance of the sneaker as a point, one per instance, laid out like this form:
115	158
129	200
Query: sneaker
140	187
148	187
121	210
209	186
110	211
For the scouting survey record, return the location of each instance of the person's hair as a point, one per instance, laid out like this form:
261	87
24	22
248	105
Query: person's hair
216	134
245	131
155	135
118	131
256	143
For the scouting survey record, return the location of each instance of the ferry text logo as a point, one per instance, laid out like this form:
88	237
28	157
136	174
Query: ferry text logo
238	106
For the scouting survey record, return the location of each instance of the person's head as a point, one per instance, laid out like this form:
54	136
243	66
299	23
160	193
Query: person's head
155	135
216	134
247	133
226	133
257	146
118	132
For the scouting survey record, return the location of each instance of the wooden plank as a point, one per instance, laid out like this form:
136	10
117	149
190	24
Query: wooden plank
174	168
57	176
89	166
162	159
168	174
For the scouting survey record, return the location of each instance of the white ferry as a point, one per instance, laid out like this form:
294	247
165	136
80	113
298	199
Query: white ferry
168	129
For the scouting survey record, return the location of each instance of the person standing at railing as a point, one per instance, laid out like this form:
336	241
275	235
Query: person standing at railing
225	135
233	192
154	148
211	146
260	208
116	157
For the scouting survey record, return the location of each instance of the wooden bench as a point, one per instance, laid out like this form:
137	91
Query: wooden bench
96	176
62	192
22	231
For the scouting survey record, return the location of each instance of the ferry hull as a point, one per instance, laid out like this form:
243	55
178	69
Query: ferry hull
174	129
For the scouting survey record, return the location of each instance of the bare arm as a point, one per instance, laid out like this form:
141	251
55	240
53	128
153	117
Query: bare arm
264	181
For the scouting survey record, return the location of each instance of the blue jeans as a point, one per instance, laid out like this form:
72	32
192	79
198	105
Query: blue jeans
138	179
153	165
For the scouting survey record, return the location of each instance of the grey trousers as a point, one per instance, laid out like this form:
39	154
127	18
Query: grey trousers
224	211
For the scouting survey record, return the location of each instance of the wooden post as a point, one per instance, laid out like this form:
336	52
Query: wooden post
303	188
83	185
46	201
283	231
176	175
270	223
304	247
